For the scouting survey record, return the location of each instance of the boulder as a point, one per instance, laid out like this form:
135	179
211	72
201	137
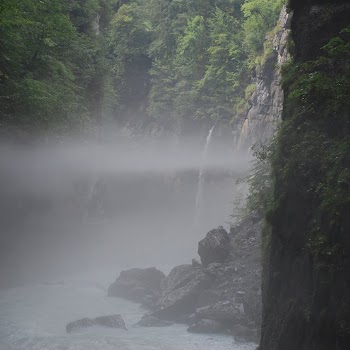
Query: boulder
196	263
112	321
208	297
245	334
207	326
138	285
82	323
215	247
180	292
223	311
151	321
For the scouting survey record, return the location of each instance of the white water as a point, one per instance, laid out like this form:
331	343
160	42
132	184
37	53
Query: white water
34	318
200	188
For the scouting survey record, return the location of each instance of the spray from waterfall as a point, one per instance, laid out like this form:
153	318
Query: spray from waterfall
200	187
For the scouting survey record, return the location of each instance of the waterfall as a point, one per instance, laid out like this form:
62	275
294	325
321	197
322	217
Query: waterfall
243	135
200	186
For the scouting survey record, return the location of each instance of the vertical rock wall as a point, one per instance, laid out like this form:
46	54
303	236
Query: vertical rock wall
264	115
306	283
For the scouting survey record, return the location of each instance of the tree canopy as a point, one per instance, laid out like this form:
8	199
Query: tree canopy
71	63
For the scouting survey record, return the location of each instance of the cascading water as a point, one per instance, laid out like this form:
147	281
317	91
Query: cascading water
243	135
200	186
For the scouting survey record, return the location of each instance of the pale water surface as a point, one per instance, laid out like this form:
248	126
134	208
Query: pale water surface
34	318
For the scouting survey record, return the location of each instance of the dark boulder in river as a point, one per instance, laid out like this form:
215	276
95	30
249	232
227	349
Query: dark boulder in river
111	321
215	247
207	326
151	321
223	311
139	285
245	334
180	292
82	323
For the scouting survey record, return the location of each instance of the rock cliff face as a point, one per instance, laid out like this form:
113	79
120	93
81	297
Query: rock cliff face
266	103
306	299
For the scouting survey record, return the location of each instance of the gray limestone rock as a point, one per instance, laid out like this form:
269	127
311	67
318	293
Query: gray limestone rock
139	285
111	321
215	247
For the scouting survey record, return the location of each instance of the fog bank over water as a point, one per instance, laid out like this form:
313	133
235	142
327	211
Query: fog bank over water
73	207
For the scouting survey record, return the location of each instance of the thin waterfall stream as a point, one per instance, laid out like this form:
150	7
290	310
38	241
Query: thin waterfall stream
201	179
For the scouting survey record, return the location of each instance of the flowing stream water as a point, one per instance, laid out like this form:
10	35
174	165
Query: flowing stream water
34	318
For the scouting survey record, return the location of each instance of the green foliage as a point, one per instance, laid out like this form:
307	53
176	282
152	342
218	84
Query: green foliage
312	161
50	61
249	90
259	200
318	82
259	183
201	60
261	180
64	63
129	41
260	17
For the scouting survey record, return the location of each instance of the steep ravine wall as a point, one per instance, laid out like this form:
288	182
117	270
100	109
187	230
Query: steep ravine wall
261	120
306	279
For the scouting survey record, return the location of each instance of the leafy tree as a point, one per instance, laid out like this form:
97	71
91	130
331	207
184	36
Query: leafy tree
49	61
70	63
260	17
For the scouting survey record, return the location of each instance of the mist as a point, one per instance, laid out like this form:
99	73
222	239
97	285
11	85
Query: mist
73	207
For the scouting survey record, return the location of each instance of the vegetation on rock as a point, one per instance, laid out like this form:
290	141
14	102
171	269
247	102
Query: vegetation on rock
306	265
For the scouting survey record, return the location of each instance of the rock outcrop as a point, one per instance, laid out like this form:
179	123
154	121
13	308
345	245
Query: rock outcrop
215	247
223	311
263	117
306	279
139	285
180	292
111	321
151	321
214	297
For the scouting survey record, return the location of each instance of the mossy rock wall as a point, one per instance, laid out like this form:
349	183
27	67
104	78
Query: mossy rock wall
306	282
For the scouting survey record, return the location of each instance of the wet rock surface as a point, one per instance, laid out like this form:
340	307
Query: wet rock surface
111	321
151	321
215	247
180	292
224	311
260	122
215	297
208	326
139	285
245	334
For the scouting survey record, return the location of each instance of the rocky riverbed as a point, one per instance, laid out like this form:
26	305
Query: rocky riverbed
219	294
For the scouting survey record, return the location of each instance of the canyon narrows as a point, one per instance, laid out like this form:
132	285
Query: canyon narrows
175	174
